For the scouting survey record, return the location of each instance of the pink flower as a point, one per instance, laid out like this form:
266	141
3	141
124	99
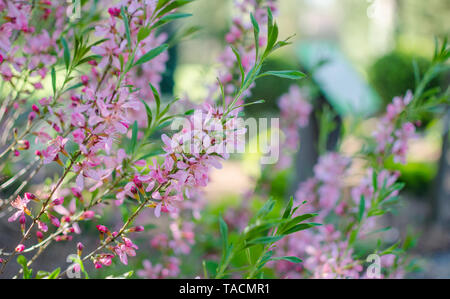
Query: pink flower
21	205
125	249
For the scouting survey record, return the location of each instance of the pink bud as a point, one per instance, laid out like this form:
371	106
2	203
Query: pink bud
133	189
31	116
20	248
16	153
85	79
38	153
97	265
22	219
58	201
30	196
114	11
76	192
137	182
102	228
35	109
88	214
39	235
139	228
80	246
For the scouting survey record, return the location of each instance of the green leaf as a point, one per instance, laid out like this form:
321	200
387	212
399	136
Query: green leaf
21	260
127	26
151	54
299	227
353	236
224	233
265	240
292	259
66	52
134	137
169	18
287	211
266	209
53	73
143	33
54	274
362	207
293	75
74	87
239	61
255	33
157	98
149	114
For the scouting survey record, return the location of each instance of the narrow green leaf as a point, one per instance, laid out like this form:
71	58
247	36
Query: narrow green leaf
169	18
239	61
54	274
157	98
287	211
66	52
265	240
149	114
151	54
292	259
256	34
53	73
224	234
362	207
299	227
293	75
127	26
134	137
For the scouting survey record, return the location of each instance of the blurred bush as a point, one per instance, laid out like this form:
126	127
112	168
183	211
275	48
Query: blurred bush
393	74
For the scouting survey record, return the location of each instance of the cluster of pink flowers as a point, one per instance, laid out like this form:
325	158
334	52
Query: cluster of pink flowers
326	255
34	56
169	269
238	37
294	114
94	115
323	191
328	252
391	139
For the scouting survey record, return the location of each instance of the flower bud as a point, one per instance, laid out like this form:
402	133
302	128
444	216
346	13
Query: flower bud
58	201
31	116
102	228
30	196
20	248
23	144
85	79
36	109
76	192
137	229
88	214
39	235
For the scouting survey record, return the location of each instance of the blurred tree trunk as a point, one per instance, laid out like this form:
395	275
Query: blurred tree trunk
440	201
308	154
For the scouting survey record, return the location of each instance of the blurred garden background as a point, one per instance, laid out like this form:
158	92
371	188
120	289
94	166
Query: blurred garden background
375	44
358	55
